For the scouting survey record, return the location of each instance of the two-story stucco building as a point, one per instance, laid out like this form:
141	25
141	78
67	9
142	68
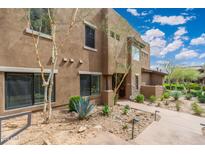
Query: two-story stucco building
86	64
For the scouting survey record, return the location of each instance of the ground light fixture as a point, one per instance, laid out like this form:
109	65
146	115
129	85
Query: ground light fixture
135	120
155	115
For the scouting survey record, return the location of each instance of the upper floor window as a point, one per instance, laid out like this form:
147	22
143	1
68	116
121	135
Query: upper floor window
89	36
39	20
135	53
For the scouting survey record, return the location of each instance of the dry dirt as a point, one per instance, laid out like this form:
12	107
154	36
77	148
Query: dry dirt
64	126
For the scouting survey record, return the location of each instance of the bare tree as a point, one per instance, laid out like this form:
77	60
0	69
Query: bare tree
55	49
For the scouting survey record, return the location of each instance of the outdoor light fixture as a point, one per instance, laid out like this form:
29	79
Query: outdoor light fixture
135	120
155	115
80	61
71	60
65	59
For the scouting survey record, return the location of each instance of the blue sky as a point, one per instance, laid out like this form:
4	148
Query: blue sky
174	34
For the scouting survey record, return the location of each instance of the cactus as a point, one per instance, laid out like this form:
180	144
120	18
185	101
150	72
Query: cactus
84	108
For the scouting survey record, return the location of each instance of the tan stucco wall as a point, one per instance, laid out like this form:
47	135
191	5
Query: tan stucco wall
17	49
149	90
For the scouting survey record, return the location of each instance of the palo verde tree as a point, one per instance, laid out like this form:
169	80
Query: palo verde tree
46	21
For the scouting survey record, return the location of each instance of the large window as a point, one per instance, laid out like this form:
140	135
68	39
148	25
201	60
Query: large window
135	53
24	90
89	85
89	37
39	20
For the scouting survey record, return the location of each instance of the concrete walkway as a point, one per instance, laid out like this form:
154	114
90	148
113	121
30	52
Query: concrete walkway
173	127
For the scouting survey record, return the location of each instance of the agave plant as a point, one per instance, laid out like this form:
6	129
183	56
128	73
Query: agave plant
84	108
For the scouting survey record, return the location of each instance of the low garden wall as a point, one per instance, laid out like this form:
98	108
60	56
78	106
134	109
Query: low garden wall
149	90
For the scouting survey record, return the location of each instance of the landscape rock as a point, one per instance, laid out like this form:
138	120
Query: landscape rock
82	129
98	127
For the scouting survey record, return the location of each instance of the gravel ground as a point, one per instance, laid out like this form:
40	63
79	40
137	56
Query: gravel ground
65	128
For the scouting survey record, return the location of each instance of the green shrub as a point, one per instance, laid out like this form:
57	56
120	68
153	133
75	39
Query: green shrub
203	88
196	93
193	86
84	108
188	96
139	98
166	95
126	109
73	100
152	99
176	95
178	106
196	108
201	98
106	110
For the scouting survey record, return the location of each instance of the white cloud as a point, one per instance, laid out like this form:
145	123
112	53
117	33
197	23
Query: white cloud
173	46
186	54
181	31
202	56
155	38
171	20
133	12
199	40
159	46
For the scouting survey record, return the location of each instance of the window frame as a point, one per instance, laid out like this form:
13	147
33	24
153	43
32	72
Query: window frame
94	28
137	82
139	55
32	90
90	84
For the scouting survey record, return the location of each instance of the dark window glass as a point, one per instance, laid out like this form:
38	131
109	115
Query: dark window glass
137	82
39	89
95	85
19	90
40	20
89	36
25	90
89	85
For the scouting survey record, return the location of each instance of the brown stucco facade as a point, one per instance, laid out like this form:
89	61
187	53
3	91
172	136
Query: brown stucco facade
17	54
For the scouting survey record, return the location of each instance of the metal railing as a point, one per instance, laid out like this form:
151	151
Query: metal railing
2	118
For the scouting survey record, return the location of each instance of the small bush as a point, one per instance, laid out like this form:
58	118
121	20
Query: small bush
72	101
166	95
106	110
84	108
126	109
196	108
152	99
196	93
176	95
178	106
188	96
125	126
139	98
201	98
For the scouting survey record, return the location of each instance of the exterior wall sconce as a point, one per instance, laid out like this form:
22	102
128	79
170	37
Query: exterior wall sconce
80	61
71	60
155	115
135	120
65	59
